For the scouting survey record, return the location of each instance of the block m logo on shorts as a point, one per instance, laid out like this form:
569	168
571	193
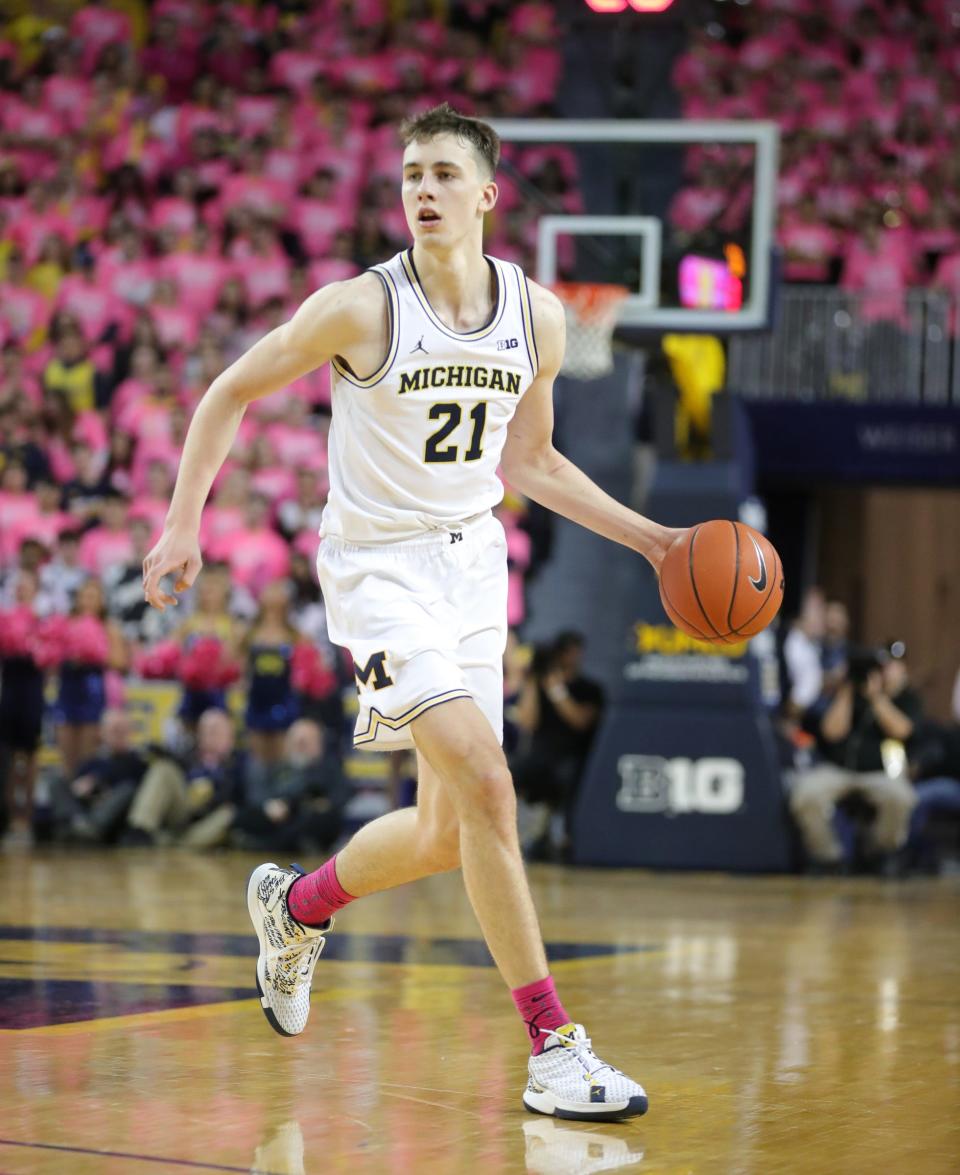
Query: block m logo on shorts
375	668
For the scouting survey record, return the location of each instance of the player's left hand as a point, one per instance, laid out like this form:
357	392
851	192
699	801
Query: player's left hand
666	537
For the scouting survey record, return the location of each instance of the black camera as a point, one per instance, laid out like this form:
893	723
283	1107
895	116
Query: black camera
861	662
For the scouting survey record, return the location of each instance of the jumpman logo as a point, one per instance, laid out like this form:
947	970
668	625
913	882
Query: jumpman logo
420	347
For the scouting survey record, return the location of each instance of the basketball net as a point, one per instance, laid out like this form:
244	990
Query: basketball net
591	309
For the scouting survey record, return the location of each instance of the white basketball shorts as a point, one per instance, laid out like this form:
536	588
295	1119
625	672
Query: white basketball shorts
425	620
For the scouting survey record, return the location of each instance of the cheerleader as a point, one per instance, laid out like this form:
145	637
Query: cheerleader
93	644
271	699
21	706
210	625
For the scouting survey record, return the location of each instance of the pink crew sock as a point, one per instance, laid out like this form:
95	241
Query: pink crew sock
540	1008
315	896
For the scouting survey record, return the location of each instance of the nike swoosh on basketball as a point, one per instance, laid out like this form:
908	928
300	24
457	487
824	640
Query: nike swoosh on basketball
760	583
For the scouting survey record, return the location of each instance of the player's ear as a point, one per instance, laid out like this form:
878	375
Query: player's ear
489	196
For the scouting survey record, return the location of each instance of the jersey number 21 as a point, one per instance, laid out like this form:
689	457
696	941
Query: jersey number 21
451	415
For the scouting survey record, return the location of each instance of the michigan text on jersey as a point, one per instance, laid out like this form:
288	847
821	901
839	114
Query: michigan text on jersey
460	375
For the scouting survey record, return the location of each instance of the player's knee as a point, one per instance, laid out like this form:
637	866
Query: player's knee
490	795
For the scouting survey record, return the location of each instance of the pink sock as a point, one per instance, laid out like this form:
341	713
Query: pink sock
540	1007
315	896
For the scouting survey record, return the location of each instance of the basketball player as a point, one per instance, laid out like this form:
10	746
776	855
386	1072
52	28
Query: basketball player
443	366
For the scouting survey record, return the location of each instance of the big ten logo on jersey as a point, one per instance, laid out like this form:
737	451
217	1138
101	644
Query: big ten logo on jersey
375	668
650	783
507	344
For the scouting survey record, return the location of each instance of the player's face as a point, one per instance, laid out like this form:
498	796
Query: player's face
445	190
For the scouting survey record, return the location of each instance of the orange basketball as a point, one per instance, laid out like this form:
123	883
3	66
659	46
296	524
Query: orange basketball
721	582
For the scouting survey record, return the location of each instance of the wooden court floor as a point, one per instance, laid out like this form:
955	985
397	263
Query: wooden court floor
779	1025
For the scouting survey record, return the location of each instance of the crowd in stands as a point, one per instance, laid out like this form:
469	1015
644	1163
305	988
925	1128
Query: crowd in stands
867	97
869	773
174	181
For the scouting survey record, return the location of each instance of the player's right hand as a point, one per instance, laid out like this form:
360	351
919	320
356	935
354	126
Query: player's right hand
178	553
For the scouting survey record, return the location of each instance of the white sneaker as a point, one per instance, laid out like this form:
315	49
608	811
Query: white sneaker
568	1080
288	949
552	1149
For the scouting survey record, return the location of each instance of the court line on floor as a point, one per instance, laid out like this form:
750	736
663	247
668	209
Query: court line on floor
84	1150
347	948
166	1016
406	1097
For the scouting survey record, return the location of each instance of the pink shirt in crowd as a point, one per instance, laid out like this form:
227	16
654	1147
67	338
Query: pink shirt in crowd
177	326
199	278
100	548
93	306
130	391
173	212
23	310
840	202
29	229
44	527
153	510
15	509
87	214
266	277
316	222
809	247
294	69
68	98
90	428
218	521
157	449
145	419
881	278
255	113
256	557
260	193
95	27
130	280
692	209
295	446
275	482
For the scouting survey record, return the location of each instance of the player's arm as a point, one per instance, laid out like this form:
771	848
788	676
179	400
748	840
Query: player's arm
533	466
329	322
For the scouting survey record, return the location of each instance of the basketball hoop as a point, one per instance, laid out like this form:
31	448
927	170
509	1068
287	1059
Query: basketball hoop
591	309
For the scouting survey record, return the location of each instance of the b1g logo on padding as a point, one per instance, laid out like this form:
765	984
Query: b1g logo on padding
375	668
649	783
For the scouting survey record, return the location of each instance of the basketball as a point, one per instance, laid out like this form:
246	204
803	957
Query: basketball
721	582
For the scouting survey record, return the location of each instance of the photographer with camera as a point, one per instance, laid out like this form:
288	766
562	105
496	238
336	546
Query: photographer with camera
861	736
558	710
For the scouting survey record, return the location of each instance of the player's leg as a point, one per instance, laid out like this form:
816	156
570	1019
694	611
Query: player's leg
565	1076
457	742
406	845
292	913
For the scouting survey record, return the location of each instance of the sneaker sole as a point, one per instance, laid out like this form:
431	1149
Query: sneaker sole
253	910
545	1103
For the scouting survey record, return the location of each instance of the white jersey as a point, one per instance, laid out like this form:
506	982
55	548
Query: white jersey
415	446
